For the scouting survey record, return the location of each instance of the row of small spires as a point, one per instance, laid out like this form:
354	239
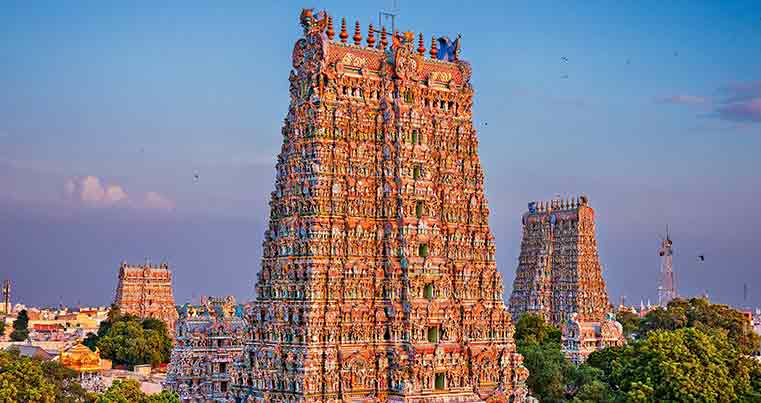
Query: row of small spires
568	203
383	43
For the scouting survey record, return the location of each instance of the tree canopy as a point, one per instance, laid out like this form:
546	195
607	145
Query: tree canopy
20	327
552	378
680	365
25	379
699	313
128	391
130	341
630	323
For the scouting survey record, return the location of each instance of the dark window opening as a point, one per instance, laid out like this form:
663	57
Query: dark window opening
433	334
423	250
419	208
416	172
428	291
440	381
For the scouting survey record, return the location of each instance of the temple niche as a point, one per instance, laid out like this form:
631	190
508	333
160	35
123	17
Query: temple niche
210	338
378	280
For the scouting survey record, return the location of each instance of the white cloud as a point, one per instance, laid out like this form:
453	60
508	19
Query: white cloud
157	201
92	192
115	194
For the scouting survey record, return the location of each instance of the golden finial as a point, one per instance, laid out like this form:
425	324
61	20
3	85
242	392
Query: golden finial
370	36
434	52
420	45
330	31
357	34
343	35
383	40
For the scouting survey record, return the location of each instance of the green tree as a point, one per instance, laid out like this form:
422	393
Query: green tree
128	391
114	314
20	327
546	365
130	341
630	322
680	365
701	314
552	378
25	379
533	329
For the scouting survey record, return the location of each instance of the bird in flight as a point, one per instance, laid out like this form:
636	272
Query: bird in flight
701	258
564	76
565	59
676	53
195	177
628	61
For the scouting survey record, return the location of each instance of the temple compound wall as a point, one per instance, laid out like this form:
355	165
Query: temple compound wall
146	291
209	339
559	272
378	280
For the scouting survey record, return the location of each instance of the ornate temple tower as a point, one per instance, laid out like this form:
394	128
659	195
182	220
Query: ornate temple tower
146	291
559	271
378	280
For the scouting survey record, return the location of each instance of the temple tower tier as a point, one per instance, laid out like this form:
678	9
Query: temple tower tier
378	280
559	272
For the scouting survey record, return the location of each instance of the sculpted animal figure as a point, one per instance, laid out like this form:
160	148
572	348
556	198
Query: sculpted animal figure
449	51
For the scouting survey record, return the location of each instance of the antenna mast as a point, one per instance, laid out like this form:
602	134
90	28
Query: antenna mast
390	14
667	288
7	296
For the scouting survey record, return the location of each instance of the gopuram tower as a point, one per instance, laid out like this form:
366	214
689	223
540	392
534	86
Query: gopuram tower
559	270
378	280
146	291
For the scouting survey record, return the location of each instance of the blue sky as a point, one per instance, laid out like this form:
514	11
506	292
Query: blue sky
108	110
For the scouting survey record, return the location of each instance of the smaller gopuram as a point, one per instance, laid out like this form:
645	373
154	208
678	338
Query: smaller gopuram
559	272
146	291
209	339
581	338
81	359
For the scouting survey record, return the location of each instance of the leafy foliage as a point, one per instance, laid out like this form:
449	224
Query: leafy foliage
699	313
552	378
2	326
20	327
680	365
630	322
128	391
533	329
25	379
129	341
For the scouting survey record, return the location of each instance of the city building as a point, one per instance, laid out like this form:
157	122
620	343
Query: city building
581	338
146	291
378	280
559	272
210	337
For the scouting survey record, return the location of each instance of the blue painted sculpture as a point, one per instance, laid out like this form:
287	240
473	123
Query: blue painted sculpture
449	51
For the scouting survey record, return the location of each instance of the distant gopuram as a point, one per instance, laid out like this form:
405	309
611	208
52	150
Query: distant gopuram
146	291
378	280
559	271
